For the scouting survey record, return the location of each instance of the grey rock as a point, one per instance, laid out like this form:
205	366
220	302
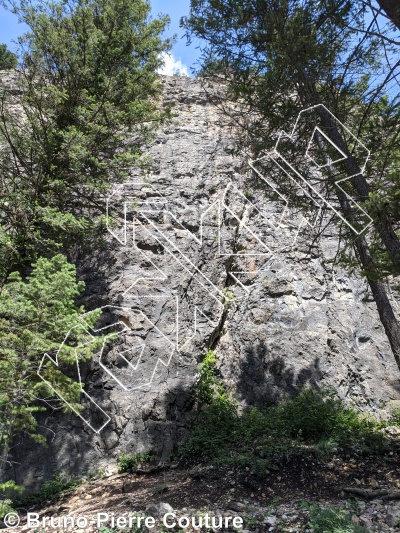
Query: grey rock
393	515
158	510
294	321
270	520
365	521
236	506
198	471
394	431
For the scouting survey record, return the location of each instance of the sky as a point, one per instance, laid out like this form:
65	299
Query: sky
182	57
176	9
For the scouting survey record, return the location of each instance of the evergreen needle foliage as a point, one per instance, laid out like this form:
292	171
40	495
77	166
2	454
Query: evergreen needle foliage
8	490
8	60
87	109
35	317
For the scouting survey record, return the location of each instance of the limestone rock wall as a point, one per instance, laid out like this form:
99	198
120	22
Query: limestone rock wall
198	259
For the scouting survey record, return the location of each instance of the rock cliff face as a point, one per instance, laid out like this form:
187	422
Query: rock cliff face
197	258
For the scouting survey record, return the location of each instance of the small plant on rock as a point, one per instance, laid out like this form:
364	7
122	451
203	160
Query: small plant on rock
129	463
333	521
50	490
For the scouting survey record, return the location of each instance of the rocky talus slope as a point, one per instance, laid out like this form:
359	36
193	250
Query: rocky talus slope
197	258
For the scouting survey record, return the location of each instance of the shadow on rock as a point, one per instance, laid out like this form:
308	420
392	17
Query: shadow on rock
265	379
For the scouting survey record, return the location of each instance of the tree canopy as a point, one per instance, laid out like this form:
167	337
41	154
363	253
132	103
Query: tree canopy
8	60
88	97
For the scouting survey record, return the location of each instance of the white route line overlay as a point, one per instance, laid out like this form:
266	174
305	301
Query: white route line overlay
158	235
275	155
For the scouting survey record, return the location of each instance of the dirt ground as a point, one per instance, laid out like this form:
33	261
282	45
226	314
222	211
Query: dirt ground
263	503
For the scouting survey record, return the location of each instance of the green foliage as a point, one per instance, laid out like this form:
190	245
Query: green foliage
8	490
208	386
229	297
213	433
129	463
6	506
8	60
380	132
89	100
394	410
332	520
50	490
35	317
315	415
259	438
268	47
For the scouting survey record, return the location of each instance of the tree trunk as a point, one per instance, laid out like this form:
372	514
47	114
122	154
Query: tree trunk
384	227
6	435
361	186
384	307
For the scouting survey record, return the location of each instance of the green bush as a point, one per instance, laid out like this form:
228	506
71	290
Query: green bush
394	409
216	429
333	521
129	463
50	490
317	416
7	490
259	438
208	387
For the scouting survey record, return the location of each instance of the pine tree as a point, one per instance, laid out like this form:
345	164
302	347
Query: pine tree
35	317
88	107
392	9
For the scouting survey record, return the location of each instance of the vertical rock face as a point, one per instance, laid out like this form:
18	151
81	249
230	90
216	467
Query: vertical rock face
197	258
